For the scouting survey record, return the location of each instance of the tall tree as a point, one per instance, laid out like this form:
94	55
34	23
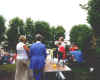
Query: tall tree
60	31
81	34
52	36
29	29
94	14
16	28
43	28
2	28
94	19
53	33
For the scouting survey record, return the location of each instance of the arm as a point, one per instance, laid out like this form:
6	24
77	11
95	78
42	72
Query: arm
27	49
30	53
45	54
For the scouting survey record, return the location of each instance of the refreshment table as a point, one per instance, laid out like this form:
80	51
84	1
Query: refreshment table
54	71
53	67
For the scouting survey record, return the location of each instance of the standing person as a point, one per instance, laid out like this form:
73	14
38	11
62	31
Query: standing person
22	59
61	53
37	57
62	48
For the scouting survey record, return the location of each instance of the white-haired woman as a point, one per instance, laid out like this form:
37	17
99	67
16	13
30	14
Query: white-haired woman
22	71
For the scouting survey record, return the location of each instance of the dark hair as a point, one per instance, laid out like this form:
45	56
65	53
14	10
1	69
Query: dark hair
61	38
38	37
59	43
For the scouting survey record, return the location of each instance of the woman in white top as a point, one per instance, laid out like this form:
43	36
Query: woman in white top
22	71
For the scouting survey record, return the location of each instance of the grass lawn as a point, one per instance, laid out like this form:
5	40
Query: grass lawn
76	67
8	67
79	73
12	67
79	69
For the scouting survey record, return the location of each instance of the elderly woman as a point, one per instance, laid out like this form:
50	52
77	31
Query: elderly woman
22	59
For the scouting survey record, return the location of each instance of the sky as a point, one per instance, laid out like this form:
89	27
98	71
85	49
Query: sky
56	12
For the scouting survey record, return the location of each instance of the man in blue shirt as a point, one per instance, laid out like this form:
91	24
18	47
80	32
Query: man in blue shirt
37	57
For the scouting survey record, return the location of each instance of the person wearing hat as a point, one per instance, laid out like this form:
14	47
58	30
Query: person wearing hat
37	57
22	59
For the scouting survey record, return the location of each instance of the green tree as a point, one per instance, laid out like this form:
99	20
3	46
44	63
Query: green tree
29	29
80	35
16	28
94	14
53	33
52	36
60	31
43	28
2	28
94	19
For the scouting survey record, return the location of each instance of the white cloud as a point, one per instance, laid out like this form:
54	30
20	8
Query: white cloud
57	12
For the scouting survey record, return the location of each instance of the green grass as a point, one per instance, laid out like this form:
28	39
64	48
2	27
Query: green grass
80	73
79	69
8	67
12	67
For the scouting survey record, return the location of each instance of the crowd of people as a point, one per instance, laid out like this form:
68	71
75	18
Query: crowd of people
37	54
7	58
66	53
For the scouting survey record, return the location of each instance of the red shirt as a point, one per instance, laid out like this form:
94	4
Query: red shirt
63	51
